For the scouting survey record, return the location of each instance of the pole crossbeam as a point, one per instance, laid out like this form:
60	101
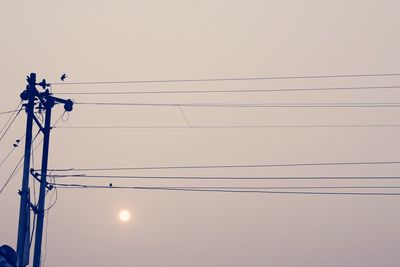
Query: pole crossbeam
46	103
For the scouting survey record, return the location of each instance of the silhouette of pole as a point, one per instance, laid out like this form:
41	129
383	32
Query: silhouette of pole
43	183
43	100
23	224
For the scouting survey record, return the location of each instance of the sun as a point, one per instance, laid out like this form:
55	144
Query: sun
124	215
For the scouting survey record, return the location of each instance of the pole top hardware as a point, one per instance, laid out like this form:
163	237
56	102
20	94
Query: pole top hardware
43	84
45	97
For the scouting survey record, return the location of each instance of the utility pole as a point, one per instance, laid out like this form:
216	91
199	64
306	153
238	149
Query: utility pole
24	209
44	101
43	184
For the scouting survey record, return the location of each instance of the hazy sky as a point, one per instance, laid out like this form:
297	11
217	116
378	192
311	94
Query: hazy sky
150	40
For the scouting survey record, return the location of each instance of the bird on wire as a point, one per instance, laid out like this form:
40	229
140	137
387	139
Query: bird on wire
63	77
16	143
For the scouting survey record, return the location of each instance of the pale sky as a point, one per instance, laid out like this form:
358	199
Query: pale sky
152	40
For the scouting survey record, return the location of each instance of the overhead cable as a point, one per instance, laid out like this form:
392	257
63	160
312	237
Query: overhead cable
228	126
225	177
193	189
8	124
229	91
250	105
231	79
304	164
8	112
19	165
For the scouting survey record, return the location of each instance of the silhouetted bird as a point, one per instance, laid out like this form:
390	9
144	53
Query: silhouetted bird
18	141
15	145
63	77
110	184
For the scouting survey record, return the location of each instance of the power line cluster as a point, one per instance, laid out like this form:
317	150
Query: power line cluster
147	177
297	77
260	190
268	165
10	121
348	106
45	101
19	163
86	172
4	130
230	91
189	124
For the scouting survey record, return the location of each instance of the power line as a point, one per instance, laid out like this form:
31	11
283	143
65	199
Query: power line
231	91
58	120
193	189
15	145
13	173
6	128
237	187
13	112
230	166
47	211
7	156
231	79
19	165
249	105
228	178
244	187
8	112
231	126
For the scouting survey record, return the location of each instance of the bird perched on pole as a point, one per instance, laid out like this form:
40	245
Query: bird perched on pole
63	77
